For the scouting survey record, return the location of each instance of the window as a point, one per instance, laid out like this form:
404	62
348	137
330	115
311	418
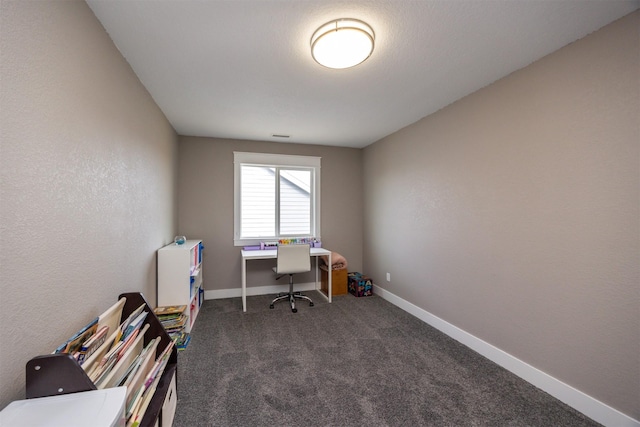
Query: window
275	197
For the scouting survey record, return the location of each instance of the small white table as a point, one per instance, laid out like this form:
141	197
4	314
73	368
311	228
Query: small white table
273	253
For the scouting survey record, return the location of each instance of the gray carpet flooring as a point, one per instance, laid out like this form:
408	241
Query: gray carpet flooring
354	362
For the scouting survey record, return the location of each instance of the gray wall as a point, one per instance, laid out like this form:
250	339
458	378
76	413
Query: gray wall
513	214
205	205
516	208
88	180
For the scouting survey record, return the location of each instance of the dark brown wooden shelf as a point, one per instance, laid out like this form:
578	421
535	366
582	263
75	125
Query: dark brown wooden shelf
57	374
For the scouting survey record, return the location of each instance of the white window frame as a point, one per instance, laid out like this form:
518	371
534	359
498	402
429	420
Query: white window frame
273	160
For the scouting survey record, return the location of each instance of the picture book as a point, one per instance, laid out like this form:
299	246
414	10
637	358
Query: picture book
134	325
129	371
112	316
74	343
126	357
149	388
91	362
174	323
181	345
92	344
169	309
137	383
134	369
134	314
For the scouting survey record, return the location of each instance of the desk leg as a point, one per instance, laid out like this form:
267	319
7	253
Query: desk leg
319	280
329	277
244	285
318	284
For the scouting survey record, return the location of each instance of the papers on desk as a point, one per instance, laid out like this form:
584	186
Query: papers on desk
311	241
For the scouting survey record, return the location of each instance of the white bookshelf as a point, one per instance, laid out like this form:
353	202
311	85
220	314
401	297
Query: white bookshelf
180	278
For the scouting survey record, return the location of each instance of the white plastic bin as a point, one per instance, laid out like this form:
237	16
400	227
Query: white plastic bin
97	408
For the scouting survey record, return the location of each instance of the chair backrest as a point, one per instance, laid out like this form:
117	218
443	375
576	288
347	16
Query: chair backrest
293	259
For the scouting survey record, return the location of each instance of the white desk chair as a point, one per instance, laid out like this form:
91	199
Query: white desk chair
292	259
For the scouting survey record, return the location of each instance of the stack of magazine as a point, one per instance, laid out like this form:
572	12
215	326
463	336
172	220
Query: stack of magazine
113	354
173	321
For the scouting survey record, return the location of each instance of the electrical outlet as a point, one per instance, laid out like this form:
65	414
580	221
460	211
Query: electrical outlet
388	277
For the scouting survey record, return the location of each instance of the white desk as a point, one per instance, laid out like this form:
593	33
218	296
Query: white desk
273	253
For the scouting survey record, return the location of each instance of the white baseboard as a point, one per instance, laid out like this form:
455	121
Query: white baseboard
257	290
578	400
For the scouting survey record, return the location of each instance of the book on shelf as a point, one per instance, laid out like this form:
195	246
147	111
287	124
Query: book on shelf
111	352
134	388
115	347
97	351
93	343
109	319
176	323
91	363
170	316
136	365
74	343
166	317
173	320
134	325
112	316
169	310
195	255
161	362
129	320
102	373
138	414
128	372
175	329
150	385
126	357
127	343
115	359
183	341
176	335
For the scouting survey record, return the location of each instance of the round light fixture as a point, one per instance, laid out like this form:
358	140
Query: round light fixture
342	43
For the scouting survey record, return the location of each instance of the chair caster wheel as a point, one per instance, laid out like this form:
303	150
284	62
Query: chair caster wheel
310	304
295	310
271	306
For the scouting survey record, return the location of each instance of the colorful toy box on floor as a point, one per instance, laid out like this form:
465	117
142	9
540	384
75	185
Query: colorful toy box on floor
360	285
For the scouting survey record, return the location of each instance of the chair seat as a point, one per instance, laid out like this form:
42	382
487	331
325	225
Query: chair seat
292	259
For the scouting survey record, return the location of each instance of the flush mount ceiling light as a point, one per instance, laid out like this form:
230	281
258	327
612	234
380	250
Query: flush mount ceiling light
342	43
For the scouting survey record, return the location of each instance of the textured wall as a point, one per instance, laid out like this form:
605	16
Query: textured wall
205	189
88	180
514	214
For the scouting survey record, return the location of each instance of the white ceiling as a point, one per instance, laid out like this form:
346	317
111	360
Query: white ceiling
242	69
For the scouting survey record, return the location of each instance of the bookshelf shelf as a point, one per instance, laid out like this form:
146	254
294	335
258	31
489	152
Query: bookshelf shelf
57	374
180	278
